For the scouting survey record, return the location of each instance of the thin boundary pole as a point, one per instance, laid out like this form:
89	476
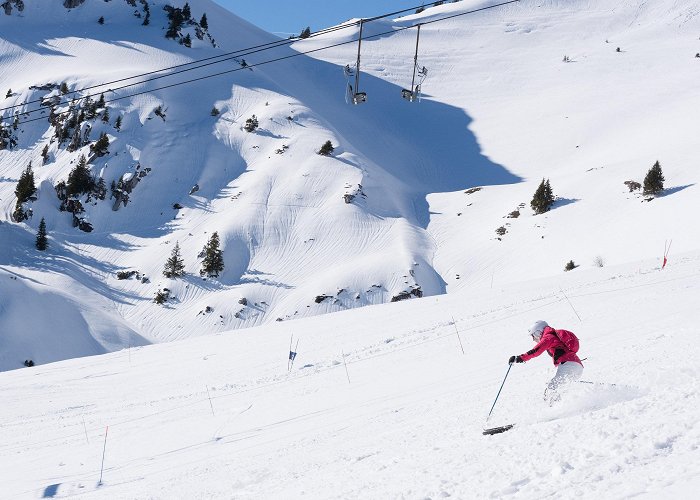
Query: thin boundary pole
454	323
104	448
85	428
210	404
346	366
572	306
289	359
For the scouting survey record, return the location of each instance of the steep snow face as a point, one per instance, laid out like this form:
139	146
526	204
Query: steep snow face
391	213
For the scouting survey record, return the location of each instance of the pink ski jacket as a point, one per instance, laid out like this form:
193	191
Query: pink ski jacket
556	348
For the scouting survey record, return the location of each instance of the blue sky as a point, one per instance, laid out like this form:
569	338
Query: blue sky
291	16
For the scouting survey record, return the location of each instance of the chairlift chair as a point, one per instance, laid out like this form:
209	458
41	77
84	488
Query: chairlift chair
422	72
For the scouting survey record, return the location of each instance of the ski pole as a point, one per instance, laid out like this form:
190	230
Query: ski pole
510	365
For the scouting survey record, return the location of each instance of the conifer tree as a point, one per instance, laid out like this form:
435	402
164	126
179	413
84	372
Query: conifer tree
45	154
305	33
187	41
25	186
105	116
9	93
101	101
543	199
64	88
24	191
186	11
327	149
174	266
42	241
100	147
213	262
203	22
118	123
654	180
101	189
79	179
251	124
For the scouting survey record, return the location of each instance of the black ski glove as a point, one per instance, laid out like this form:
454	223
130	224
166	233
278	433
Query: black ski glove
515	359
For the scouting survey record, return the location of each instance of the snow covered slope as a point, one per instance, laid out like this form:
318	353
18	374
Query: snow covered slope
500	110
381	403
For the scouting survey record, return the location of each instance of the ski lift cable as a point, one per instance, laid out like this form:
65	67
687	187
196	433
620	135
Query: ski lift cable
283	58
221	58
226	56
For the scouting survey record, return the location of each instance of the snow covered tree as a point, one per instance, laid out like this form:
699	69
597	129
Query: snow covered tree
251	124
79	179
327	149
203	22
654	180
213	262
174	266
543	199
42	240
305	33
187	41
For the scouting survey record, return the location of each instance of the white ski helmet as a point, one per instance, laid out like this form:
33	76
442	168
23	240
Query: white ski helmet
537	329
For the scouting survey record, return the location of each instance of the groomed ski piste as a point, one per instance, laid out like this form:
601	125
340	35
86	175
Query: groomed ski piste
384	400
400	415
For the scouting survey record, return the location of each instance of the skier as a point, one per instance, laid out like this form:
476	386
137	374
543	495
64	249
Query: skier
562	345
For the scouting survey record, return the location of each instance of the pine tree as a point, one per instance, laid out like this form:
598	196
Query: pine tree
105	116
118	123
654	180
25	186
9	94
79	179
305	33
203	22
174	266
187	41
186	12
327	149
543	199
42	241
101	101
101	20
215	111
251	124
45	154
100	147
64	88
213	262
101	189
